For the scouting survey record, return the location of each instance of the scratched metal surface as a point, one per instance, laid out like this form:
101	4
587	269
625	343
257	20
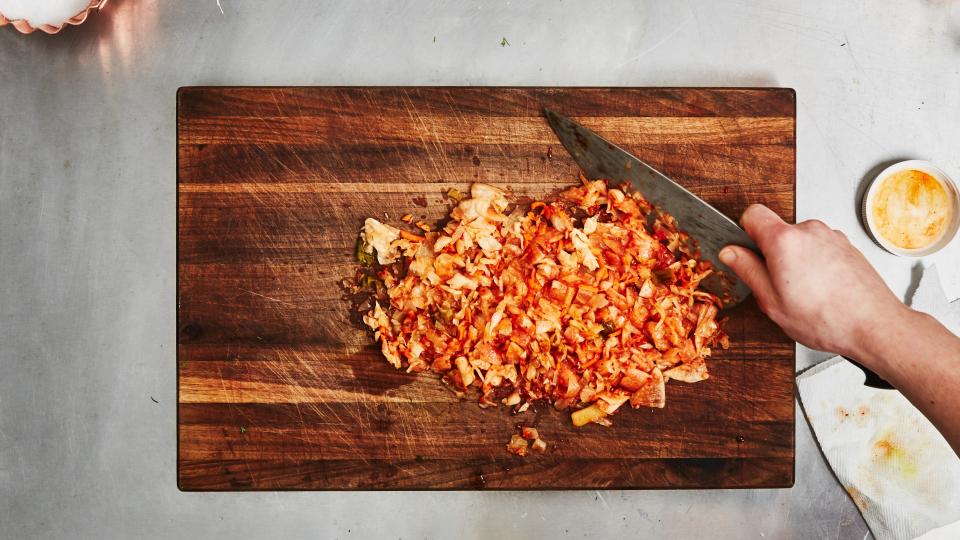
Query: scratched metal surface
87	230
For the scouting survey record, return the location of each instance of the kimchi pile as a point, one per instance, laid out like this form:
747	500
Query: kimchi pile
588	302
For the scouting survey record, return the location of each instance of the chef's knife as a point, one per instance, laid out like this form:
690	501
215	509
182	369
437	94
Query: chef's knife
712	230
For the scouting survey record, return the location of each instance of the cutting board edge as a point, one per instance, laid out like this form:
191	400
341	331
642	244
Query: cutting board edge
181	90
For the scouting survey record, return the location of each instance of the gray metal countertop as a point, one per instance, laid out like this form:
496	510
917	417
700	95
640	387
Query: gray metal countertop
87	230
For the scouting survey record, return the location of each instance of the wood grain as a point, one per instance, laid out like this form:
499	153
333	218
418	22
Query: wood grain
278	389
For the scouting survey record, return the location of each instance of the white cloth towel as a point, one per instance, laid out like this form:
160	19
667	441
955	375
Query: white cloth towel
897	468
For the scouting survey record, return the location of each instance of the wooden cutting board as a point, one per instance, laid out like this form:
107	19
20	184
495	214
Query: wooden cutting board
279	390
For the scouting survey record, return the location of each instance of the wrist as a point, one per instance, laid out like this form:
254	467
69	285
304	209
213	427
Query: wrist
884	337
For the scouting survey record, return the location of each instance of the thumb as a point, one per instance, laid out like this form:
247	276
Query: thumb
750	268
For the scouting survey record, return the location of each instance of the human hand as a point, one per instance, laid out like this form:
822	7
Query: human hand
813	283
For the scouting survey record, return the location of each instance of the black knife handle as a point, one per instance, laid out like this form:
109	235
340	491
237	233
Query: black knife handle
873	380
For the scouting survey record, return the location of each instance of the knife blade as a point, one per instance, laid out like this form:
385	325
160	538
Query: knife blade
711	229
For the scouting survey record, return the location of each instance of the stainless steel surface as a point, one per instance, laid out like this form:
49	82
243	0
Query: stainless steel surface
87	227
600	158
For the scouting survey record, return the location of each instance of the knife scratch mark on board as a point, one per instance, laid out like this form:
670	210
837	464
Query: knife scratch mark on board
293	365
276	102
627	470
351	442
422	133
268	297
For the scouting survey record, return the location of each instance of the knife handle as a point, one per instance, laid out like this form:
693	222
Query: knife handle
873	380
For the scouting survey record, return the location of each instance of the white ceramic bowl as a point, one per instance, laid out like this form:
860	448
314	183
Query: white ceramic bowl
923	166
25	27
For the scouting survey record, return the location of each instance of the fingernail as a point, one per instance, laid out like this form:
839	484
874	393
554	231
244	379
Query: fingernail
727	256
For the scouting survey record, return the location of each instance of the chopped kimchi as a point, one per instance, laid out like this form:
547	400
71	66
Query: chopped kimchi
590	301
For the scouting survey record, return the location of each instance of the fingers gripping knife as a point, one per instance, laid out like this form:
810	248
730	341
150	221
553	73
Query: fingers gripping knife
713	230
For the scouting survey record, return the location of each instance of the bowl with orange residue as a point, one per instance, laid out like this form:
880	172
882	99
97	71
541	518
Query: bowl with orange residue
912	209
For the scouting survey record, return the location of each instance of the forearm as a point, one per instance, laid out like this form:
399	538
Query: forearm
921	358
